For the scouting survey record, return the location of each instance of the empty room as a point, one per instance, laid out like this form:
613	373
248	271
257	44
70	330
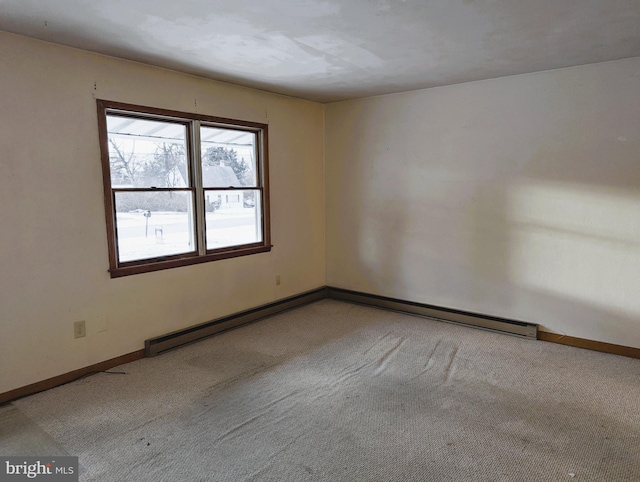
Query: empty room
318	240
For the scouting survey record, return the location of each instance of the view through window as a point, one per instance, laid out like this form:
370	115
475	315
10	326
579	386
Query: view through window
181	188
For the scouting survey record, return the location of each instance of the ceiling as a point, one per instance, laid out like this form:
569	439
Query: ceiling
330	50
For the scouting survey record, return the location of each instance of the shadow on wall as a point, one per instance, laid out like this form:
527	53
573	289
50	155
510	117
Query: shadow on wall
543	239
516	197
563	249
579	242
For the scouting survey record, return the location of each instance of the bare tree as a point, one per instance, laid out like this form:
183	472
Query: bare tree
127	166
167	166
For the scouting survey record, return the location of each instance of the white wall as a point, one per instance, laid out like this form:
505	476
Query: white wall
53	248
516	197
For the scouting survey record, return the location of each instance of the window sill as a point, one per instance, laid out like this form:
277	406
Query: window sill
187	261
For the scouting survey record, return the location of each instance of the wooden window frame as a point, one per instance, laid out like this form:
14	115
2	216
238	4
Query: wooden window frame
192	122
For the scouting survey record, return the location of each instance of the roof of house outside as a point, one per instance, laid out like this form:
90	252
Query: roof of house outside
219	176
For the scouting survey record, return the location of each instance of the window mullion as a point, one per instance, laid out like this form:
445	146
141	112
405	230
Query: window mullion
157	189
196	171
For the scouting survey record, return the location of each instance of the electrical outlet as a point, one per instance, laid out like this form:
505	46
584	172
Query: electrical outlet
277	280
79	329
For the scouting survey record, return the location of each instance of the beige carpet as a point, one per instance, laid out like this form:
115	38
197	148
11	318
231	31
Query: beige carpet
336	392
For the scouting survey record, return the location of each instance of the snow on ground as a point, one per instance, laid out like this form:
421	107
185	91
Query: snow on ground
170	233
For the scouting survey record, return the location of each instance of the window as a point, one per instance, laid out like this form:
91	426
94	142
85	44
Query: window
181	188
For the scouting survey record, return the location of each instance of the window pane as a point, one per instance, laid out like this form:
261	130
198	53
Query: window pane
233	218
154	224
228	157
145	153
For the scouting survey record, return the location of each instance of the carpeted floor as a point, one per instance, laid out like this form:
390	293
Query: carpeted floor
335	392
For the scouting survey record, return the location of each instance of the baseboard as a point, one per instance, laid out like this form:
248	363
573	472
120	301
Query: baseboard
169	341
589	344
486	322
161	344
69	377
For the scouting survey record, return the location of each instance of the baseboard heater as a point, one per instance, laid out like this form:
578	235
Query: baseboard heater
161	344
493	323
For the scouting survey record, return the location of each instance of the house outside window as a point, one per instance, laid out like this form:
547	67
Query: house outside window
181	188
